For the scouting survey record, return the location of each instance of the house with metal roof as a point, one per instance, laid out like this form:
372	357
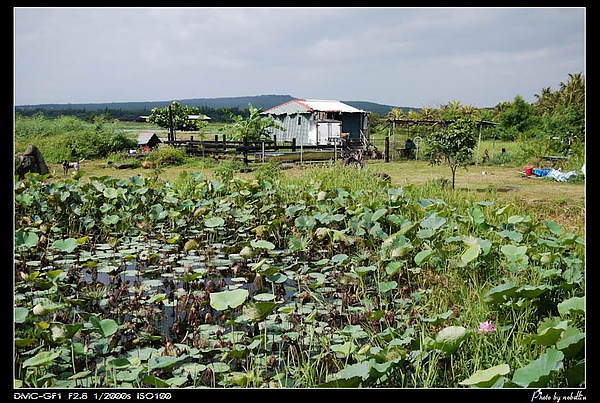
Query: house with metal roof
147	141
318	122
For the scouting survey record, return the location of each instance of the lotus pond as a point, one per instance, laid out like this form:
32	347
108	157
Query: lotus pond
132	283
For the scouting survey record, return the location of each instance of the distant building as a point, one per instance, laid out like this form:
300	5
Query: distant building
144	118
319	122
147	141
199	117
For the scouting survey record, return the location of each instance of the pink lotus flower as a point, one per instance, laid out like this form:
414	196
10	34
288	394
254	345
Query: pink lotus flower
486	327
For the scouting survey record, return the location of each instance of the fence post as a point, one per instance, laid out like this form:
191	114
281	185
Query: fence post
387	149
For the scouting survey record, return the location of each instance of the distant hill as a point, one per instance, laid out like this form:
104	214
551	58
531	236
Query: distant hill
263	102
379	109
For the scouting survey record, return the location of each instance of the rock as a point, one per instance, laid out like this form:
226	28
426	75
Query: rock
31	160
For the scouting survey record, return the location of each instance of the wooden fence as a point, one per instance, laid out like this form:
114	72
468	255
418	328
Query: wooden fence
261	152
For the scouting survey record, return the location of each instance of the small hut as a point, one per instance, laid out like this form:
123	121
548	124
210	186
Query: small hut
147	141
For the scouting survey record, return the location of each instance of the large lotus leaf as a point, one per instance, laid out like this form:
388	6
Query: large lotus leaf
165	362
40	359
218	367
394	267
500	293
157	298
27	239
257	311
571	342
344	349
530	291
213	222
514	253
549	332
476	215
61	332
469	255
511	235
537	372
106	327
129	375
364	270
572	306
20	314
487	377
359	370
339	258
65	245
386	286
305	222
119	363
80	375
438	319
110	219
449	338
433	222
154	381
228	299
576	374
423	256
262	244
277	278
110	193
553	227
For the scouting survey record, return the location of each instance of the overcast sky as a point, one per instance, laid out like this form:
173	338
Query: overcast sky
417	57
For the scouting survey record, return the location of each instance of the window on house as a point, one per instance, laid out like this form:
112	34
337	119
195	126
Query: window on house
299	120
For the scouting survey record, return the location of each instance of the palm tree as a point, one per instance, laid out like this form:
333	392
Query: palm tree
573	93
395	114
451	110
545	101
428	113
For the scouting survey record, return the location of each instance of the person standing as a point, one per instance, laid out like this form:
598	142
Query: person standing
409	146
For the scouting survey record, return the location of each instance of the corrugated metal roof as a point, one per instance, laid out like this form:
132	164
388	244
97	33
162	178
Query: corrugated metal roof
306	105
144	138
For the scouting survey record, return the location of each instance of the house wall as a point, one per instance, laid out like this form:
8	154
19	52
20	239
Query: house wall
303	126
297	126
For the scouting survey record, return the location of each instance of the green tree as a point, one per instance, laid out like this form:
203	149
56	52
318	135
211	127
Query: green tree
395	114
453	144
254	128
451	110
517	119
562	116
180	117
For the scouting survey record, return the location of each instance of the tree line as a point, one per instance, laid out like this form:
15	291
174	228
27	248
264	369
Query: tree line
217	115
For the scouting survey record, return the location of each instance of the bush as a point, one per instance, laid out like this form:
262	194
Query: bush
227	168
268	171
167	155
